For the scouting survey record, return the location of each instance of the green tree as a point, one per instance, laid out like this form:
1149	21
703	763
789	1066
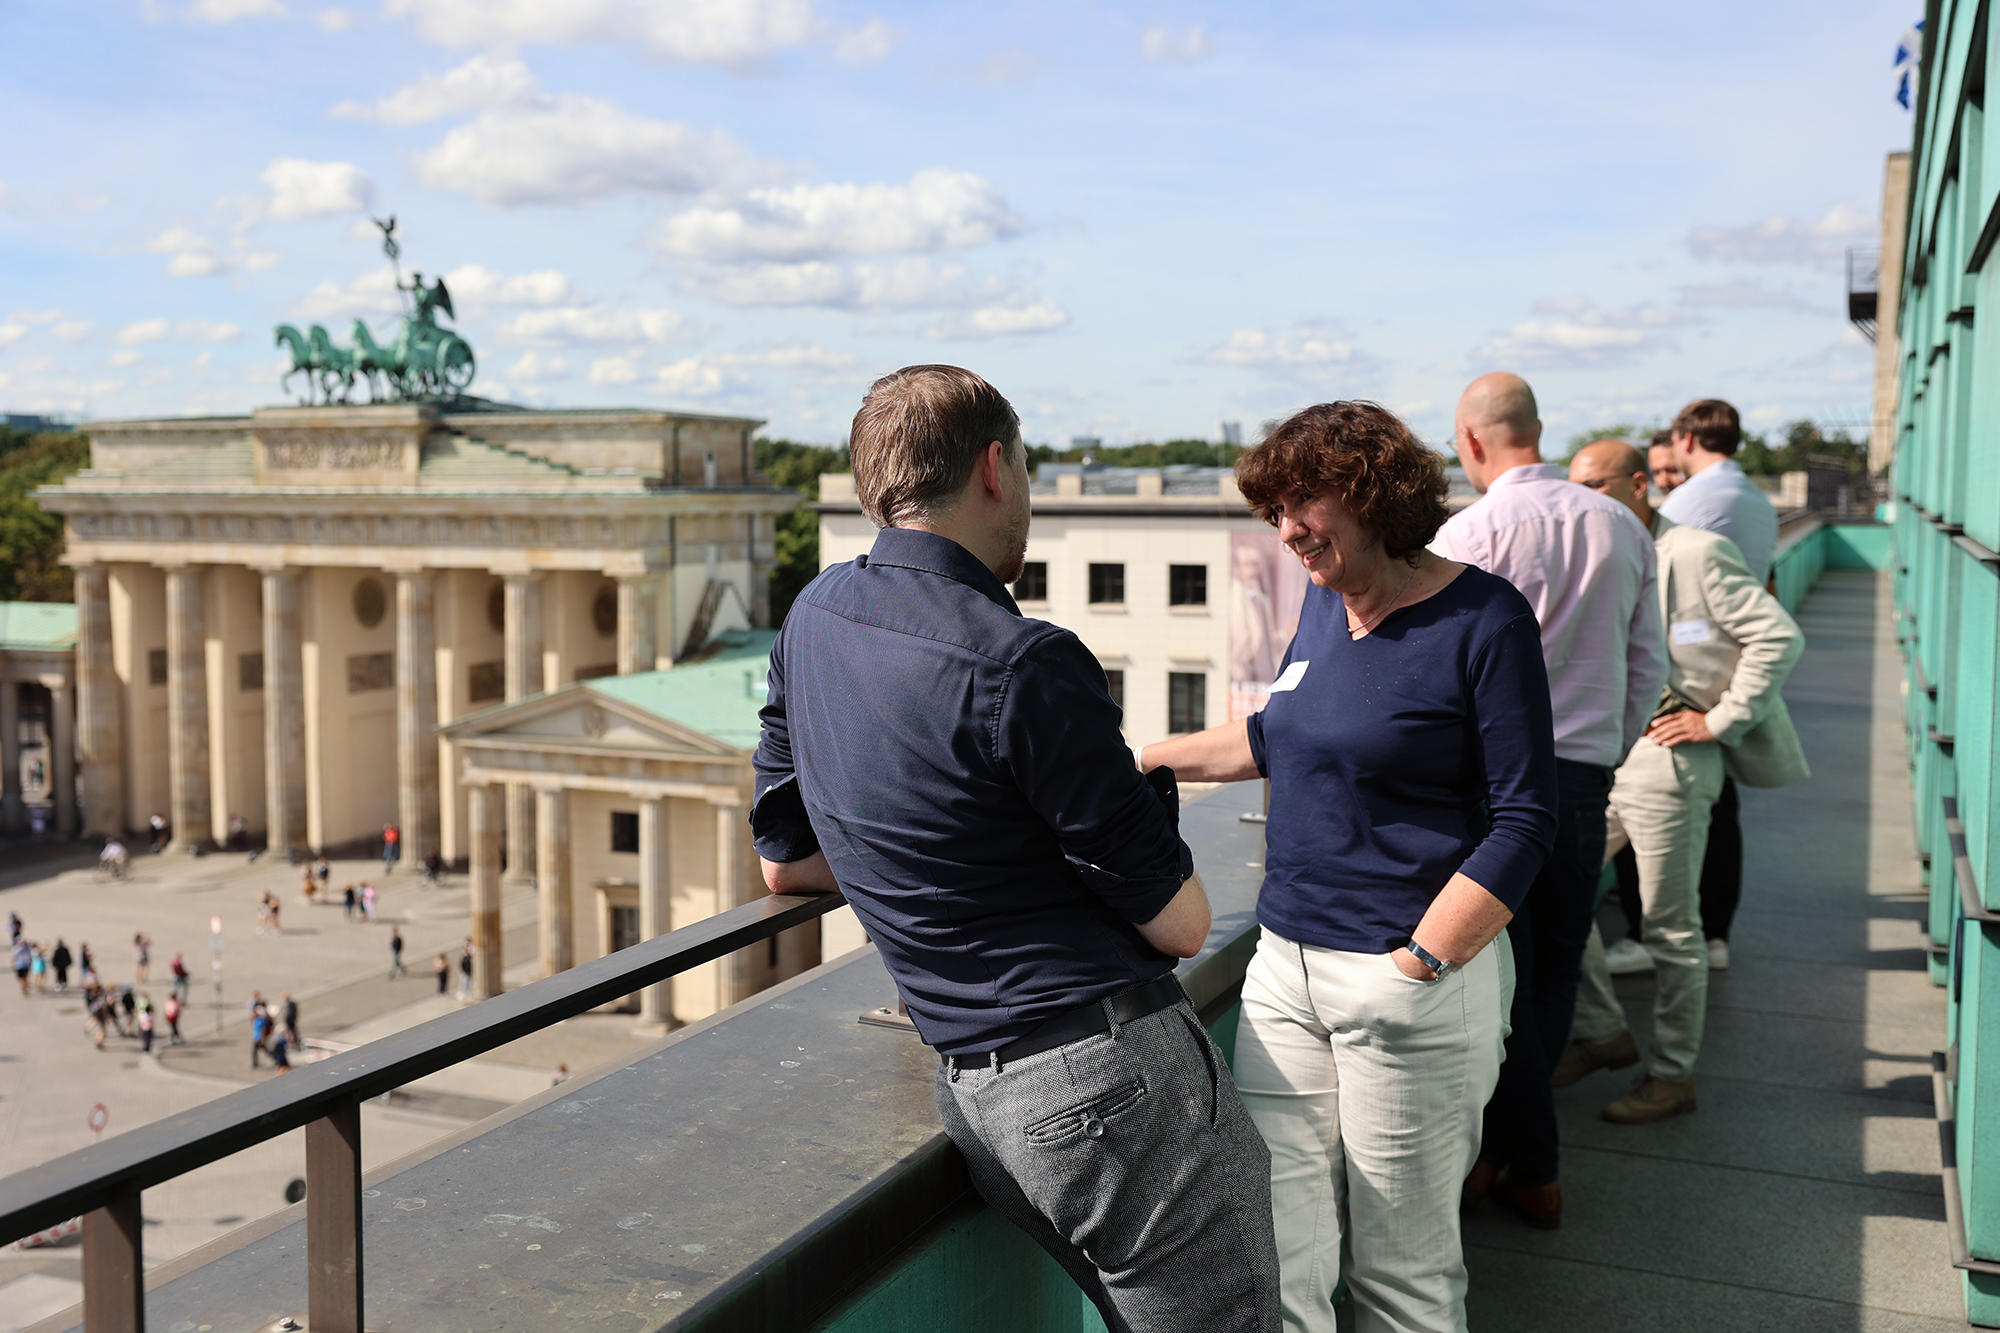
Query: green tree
31	568
797	467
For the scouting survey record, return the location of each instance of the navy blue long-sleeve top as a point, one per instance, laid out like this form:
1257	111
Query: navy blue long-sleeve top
962	769
1422	749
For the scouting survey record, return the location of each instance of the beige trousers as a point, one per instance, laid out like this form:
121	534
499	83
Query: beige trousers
1369	1089
1660	805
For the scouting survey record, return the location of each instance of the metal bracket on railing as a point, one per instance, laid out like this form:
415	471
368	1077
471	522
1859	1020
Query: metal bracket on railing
885	1017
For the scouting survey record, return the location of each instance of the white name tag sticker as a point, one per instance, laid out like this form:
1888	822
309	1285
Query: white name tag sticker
1691	631
1289	678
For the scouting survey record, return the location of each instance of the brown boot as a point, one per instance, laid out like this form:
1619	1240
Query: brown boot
1540	1206
1652	1099
1587	1057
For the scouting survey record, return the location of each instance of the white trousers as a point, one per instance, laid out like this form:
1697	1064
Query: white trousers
1660	805
1369	1088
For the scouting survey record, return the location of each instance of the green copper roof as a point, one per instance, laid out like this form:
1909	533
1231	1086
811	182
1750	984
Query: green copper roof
49	625
718	696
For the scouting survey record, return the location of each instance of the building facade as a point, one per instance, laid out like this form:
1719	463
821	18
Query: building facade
37	718
275	612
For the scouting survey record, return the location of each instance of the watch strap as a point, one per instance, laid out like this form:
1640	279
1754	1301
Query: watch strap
1431	960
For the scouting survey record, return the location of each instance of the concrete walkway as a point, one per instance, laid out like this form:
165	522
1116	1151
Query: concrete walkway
1804	1194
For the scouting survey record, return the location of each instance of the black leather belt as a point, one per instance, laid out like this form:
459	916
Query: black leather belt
1086	1020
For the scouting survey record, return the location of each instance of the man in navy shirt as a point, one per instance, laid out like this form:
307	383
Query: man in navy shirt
957	771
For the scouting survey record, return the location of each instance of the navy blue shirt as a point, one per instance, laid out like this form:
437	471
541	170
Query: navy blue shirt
961	767
1422	749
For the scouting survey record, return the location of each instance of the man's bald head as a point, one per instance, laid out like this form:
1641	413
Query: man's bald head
1497	427
1615	469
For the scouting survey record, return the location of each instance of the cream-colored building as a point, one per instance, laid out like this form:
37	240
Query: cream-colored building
37	718
276	611
1142	564
642	787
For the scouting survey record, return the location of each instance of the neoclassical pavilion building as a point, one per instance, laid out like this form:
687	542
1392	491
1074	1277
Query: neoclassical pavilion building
276	612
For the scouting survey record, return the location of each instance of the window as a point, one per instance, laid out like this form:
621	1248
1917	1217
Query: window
1114	680
1107	583
1187	585
1033	585
1187	701
624	922
624	830
156	666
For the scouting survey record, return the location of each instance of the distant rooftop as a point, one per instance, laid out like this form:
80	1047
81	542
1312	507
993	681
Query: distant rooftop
33	625
1175	479
718	695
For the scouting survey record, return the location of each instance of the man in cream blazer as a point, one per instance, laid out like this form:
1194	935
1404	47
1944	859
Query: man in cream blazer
1730	646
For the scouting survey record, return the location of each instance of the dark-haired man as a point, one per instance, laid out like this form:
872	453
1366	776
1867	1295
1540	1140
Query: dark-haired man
957	771
1661	464
1718	497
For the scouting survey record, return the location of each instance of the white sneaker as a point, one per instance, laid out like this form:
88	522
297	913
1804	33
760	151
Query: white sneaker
1718	955
1628	958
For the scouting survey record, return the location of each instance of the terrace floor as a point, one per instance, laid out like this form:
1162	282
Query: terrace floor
1804	1194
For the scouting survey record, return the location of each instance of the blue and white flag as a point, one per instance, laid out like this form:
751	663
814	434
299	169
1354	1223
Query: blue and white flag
1909	60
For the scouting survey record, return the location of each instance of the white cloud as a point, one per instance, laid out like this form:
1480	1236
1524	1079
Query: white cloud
708	376
570	150
534	366
11	332
1749	296
71	330
373	293
36	316
306	189
734	34
592	324
1783	240
1181	48
127	357
479	83
613	370
208	330
937	210
866	44
474	286
1000	321
1301	349
915	283
143	331
1010	65
192	255
334	20
228	11
1575	332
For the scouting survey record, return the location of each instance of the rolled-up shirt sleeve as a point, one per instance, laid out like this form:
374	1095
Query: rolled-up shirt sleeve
1509	693
1056	732
778	822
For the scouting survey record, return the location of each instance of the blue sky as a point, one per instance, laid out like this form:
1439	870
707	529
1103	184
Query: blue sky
1137	221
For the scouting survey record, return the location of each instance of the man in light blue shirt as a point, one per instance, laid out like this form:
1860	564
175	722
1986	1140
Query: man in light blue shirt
1717	495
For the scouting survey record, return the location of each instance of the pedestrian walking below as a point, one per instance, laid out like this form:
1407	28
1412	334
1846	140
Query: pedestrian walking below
368	903
260	1030
59	961
181	980
171	1011
442	967
146	1027
40	968
392	847
347	902
396	968
281	1053
87	965
290	1011
24	962
13	927
465	970
142	956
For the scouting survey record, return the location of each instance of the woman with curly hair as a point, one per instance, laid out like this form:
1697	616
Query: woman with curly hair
1411	757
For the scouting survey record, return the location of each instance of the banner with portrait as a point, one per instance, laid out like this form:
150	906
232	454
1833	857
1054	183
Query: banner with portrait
1267	587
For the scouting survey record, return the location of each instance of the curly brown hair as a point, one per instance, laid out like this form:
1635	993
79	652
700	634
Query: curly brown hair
1363	457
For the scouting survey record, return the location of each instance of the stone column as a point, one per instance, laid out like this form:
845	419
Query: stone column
11	809
522	654
62	740
187	710
656	1003
483	826
284	714
99	733
416	716
638	620
552	880
735	983
760	570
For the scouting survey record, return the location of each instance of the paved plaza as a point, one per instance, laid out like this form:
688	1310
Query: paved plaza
336	968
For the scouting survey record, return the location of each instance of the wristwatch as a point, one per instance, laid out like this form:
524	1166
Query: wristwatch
1432	961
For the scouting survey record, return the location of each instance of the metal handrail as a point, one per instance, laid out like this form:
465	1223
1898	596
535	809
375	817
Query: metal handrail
1969	904
102	1182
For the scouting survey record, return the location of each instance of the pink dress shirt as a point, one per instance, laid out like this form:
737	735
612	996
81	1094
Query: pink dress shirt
1589	570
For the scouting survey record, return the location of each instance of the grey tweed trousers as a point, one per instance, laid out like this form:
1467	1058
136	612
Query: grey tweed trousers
1130	1159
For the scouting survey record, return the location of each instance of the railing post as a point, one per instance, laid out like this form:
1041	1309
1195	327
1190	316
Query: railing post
333	1221
114	1299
